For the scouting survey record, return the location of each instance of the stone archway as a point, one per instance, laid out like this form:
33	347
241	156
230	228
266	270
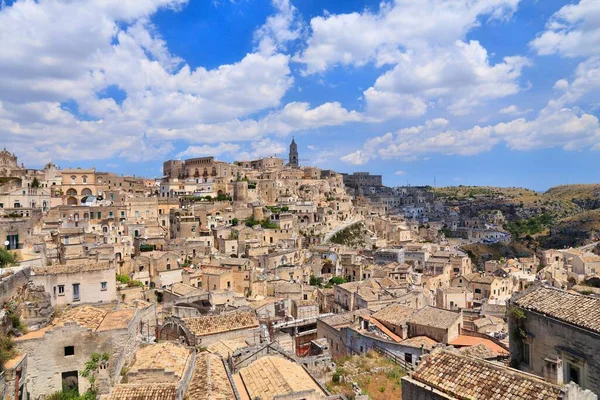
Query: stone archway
71	201
173	329
71	192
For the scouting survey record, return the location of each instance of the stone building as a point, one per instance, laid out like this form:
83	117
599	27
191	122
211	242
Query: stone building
78	184
570	352
203	167
362	179
8	164
206	330
88	282
57	353
447	375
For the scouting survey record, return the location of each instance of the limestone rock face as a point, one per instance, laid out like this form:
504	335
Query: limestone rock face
37	307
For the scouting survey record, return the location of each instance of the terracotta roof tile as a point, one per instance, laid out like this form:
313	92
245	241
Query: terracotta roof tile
434	317
471	378
72	268
396	314
166	356
271	376
156	391
210	380
213	324
576	309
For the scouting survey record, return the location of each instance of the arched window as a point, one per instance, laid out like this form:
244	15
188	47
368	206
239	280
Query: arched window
84	178
73	178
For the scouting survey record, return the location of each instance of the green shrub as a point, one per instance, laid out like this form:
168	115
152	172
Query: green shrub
122	278
7	350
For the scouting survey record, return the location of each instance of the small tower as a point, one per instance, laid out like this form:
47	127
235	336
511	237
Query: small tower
293	161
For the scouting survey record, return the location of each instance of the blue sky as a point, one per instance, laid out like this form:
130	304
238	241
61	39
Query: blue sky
478	92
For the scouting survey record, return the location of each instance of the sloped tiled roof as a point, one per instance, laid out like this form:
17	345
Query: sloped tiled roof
271	376
72	268
213	324
86	316
418	341
210	380
396	314
145	391
166	356
434	317
225	348
470	378
576	309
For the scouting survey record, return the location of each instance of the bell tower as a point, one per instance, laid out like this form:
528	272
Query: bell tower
293	160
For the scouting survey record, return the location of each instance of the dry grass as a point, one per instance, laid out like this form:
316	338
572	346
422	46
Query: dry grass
376	376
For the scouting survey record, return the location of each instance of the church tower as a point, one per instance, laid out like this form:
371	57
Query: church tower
293	162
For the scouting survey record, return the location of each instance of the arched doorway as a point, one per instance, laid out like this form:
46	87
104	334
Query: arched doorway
71	201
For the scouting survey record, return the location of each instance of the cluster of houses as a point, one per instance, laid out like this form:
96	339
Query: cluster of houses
234	281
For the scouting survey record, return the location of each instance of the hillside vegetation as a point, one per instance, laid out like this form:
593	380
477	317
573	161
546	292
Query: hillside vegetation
565	215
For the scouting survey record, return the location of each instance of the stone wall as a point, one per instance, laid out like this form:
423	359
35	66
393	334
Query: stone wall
14	284
47	360
360	344
568	342
251	336
413	390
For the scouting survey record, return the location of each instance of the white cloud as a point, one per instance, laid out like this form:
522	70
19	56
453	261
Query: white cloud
572	31
70	52
207	150
359	38
262	148
280	28
566	128
459	76
514	110
295	116
424	41
356	158
399	173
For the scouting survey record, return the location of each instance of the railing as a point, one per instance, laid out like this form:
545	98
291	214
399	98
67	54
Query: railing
408	367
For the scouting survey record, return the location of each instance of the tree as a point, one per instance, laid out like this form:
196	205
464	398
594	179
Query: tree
35	183
7	259
234	221
91	369
337	280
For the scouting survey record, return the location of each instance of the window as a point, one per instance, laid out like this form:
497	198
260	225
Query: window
110	214
73	179
103	286
228	285
61	290
526	354
573	373
478	291
122	214
69	351
76	296
91	215
408	358
99	215
84	179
